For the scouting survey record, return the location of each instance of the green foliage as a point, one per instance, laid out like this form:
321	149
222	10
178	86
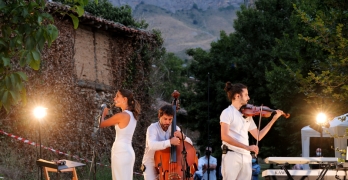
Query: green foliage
158	36
77	6
228	8
267	54
121	14
328	80
169	74
107	11
195	6
307	71
243	56
25	28
211	70
292	54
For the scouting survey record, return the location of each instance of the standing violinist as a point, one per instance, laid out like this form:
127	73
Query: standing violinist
236	158
158	138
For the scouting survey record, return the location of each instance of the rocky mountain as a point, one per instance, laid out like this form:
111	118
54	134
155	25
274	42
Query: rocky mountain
186	23
175	5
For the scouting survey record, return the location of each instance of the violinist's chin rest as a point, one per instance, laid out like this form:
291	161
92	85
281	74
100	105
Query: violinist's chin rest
301	160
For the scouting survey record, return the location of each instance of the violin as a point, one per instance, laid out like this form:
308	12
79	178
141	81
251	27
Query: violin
251	110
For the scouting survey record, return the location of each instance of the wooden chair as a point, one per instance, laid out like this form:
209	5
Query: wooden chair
47	169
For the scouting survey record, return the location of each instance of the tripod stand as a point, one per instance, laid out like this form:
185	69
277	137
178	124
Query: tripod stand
93	168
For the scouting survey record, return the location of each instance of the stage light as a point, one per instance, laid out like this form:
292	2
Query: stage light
321	119
40	112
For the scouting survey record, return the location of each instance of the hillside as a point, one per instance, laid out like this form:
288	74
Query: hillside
187	28
176	5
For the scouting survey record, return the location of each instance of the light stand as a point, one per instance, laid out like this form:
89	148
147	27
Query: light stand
321	121
40	156
39	113
208	168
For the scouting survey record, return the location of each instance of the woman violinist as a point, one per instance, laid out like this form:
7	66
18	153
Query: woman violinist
234	134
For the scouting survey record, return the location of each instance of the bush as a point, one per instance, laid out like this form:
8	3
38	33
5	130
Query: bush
107	11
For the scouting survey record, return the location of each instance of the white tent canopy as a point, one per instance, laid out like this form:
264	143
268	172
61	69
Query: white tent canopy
337	127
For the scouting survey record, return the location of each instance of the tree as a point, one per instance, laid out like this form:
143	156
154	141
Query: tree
106	10
293	54
169	74
247	56
121	14
25	30
303	65
328	79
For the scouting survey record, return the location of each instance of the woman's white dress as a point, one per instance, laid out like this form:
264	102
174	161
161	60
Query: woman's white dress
122	153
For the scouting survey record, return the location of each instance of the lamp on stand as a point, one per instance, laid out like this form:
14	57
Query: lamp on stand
40	113
321	121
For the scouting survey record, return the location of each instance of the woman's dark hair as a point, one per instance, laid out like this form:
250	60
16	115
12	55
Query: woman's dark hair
133	104
166	109
233	89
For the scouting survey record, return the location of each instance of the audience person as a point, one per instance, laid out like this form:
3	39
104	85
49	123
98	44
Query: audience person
317	154
203	165
255	168
198	174
298	166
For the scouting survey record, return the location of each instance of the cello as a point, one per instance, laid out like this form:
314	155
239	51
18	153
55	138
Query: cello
176	162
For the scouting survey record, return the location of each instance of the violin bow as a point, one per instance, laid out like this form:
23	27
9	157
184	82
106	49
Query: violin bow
258	133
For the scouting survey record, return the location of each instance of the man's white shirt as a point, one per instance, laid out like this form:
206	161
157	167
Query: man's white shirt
157	139
238	127
204	160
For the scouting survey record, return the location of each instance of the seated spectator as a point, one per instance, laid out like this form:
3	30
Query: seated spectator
317	154
297	167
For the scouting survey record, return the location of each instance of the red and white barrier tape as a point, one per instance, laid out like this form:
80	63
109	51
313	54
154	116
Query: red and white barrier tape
26	141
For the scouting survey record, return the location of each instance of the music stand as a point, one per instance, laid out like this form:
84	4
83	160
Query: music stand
68	164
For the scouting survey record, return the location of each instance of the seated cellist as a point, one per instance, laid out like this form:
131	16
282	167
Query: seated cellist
158	138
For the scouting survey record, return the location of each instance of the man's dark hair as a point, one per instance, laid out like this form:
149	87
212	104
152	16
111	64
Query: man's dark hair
233	89
166	109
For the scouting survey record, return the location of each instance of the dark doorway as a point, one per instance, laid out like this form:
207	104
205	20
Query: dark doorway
325	143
